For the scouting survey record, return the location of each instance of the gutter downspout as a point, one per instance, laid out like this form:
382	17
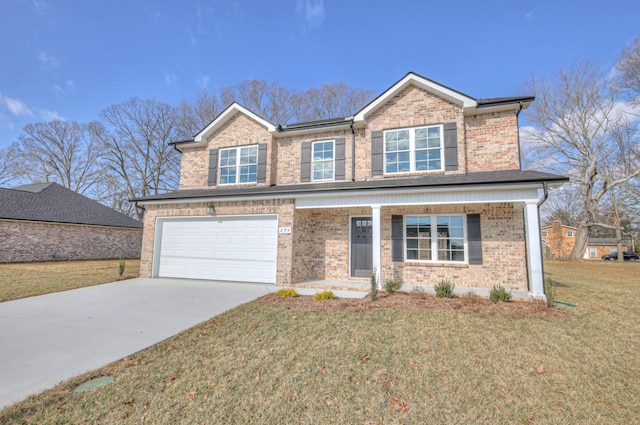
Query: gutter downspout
518	127
353	153
545	196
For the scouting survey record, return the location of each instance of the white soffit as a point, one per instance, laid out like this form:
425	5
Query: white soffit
388	198
226	115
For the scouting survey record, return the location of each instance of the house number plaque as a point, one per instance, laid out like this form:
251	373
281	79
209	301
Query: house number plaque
284	230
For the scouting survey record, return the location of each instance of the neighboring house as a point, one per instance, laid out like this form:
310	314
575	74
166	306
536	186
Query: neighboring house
560	239
46	221
422	184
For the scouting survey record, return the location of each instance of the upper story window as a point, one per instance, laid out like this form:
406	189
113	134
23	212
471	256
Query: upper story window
322	162
544	233
239	165
570	233
413	150
437	238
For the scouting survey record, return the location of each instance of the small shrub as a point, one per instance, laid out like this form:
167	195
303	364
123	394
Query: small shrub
374	285
287	292
121	266
392	285
498	293
550	291
444	289
323	296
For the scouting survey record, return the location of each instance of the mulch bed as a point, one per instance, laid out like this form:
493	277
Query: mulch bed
418	301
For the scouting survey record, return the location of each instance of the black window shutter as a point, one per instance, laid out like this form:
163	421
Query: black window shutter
450	146
339	159
397	248
474	239
377	151
262	163
305	162
213	167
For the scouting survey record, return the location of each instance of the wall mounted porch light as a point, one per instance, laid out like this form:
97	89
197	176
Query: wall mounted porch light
211	210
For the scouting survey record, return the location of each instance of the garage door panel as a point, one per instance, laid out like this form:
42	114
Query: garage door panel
219	248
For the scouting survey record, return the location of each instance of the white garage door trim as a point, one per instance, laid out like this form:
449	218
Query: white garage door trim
240	248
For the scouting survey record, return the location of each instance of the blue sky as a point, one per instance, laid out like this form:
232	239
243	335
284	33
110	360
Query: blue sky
70	59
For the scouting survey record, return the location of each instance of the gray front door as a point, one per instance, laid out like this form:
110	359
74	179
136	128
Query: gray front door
361	246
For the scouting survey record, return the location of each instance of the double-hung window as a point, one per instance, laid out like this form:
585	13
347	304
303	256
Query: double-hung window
239	165
322	162
435	238
413	149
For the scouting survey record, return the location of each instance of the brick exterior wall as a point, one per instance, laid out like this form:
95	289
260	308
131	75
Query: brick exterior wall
22	241
558	241
239	130
492	142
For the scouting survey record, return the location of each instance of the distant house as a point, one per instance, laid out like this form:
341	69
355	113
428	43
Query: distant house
558	241
46	221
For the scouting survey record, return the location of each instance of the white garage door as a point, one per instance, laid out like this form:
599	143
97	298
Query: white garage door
239	248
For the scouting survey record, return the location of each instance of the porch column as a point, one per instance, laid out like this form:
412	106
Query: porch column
534	251
375	234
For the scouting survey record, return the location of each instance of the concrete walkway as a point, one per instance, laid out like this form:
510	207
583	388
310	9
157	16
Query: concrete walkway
47	339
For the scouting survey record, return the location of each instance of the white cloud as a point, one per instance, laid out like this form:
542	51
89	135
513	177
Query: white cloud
15	106
48	60
312	11
40	6
48	115
202	81
169	79
69	87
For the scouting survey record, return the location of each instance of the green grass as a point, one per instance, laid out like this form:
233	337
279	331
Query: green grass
266	364
20	280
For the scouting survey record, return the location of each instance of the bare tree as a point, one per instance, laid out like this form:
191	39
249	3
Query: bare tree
271	101
10	171
628	68
564	205
65	152
330	101
138	153
195	116
578	119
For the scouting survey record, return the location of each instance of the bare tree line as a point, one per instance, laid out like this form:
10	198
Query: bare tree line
126	153
586	126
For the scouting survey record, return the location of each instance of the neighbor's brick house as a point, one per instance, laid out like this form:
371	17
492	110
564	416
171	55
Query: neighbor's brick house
559	239
422	184
45	221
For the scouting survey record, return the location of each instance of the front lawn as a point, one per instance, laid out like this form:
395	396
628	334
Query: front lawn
274	363
20	280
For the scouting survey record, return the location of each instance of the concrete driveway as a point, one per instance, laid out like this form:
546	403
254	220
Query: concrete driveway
50	338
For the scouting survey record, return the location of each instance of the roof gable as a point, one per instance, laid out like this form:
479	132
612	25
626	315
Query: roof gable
412	78
50	202
227	114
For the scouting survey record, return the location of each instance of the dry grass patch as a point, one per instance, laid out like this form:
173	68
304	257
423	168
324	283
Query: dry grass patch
272	362
20	280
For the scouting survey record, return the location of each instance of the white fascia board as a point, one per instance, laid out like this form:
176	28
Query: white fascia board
409	196
224	117
313	130
411	78
498	108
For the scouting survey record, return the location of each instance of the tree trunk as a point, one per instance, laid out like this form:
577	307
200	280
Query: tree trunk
619	240
582	237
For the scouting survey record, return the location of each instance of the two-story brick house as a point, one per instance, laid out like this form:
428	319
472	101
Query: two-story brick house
422	184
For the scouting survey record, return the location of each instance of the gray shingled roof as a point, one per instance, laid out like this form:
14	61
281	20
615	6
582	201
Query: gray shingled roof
51	202
432	181
604	241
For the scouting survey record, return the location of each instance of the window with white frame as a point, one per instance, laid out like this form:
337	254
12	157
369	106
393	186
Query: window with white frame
436	238
322	160
413	149
239	165
593	251
544	233
570	233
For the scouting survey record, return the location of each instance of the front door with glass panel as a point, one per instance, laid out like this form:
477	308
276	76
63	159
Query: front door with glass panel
361	246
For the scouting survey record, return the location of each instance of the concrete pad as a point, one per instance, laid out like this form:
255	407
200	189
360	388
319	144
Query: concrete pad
50	338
